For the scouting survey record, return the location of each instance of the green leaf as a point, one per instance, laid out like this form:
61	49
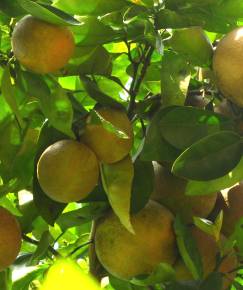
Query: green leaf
194	187
175	78
23	164
8	93
183	126
47	208
118	284
11	8
93	32
117	181
55	104
210	158
80	216
97	62
143	184
48	13
94	7
58	109
162	274
42	247
29	214
95	93
6	279
98	194
199	51
156	148
236	237
188	249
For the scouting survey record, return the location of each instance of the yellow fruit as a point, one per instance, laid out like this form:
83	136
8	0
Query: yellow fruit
228	66
67	171
65	274
10	238
170	191
233	210
209	250
125	255
107	145
40	46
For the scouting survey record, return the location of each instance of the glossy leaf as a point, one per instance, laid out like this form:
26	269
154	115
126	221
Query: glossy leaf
155	147
210	158
47	13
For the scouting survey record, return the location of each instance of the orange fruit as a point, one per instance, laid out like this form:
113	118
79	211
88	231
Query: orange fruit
107	145
40	46
228	64
10	238
67	171
126	255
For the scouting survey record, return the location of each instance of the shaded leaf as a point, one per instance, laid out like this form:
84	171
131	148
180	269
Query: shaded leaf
96	94
194	187
143	184
155	147
183	126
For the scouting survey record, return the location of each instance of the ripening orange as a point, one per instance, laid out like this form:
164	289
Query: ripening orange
67	171
40	46
10	238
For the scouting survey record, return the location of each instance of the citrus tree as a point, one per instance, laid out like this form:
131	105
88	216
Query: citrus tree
121	128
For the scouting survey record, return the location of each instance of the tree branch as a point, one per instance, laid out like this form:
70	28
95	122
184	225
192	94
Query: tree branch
137	81
36	243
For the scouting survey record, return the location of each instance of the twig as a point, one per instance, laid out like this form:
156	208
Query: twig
93	261
80	247
135	86
36	243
